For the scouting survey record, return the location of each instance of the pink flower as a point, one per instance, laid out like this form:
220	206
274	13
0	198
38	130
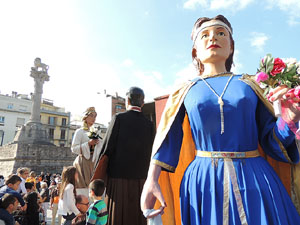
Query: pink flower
279	66
261	76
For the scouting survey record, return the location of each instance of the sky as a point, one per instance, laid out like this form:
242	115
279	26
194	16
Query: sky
96	45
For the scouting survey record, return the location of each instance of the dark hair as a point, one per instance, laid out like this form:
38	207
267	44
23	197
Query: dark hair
136	96
197	24
32	204
12	179
97	186
68	177
29	185
7	199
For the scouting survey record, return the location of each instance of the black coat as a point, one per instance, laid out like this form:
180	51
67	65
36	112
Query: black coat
128	145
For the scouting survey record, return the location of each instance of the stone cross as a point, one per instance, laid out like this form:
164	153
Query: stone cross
40	74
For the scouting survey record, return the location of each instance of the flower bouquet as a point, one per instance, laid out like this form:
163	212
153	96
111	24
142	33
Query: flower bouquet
275	71
93	134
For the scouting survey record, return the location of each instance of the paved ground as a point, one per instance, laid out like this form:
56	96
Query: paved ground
49	217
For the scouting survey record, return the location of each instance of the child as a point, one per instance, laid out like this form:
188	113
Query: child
54	199
33	210
45	198
29	187
11	186
97	213
66	204
32	179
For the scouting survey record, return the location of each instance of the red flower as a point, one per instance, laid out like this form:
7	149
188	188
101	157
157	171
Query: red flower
279	66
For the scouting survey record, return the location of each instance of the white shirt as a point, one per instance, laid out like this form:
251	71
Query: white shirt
67	204
2	182
22	186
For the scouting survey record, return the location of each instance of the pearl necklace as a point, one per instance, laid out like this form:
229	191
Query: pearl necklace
220	101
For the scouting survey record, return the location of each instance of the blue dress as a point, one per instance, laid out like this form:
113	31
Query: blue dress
256	194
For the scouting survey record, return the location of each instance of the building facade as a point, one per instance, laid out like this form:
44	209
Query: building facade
56	122
108	106
15	111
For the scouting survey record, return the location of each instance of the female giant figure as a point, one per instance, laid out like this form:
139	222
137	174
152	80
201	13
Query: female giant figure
87	150
227	182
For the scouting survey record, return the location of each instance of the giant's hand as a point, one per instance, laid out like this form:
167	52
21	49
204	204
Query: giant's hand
282	92
151	192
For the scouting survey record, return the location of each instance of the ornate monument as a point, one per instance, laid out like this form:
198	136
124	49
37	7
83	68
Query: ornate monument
31	147
33	131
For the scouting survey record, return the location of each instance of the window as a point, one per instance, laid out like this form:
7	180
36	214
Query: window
2	118
10	105
64	122
63	134
118	107
20	122
52	120
1	137
61	144
23	108
51	133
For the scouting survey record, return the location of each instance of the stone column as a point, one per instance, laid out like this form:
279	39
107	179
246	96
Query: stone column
39	78
33	132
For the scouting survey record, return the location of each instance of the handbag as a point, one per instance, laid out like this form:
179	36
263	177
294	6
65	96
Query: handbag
100	171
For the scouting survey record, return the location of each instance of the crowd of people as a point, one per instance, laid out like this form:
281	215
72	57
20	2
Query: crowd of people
222	178
35	194
76	197
27	203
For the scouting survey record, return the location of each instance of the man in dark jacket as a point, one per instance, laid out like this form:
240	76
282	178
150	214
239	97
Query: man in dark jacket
9	203
128	144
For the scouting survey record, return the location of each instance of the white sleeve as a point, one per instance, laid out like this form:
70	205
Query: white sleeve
78	147
69	199
22	185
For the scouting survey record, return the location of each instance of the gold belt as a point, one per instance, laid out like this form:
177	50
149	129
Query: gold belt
249	154
230	177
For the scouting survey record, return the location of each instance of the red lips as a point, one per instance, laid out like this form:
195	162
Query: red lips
213	46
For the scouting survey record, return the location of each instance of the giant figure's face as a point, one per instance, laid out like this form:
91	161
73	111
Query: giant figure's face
213	45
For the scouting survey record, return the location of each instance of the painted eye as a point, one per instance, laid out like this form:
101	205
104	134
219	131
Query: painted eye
221	33
204	36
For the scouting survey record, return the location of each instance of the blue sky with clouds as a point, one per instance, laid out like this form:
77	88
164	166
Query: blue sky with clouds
92	45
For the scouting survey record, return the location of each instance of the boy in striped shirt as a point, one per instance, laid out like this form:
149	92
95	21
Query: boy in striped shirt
97	213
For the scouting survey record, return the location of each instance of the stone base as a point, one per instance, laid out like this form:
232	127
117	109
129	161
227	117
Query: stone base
37	157
32	133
